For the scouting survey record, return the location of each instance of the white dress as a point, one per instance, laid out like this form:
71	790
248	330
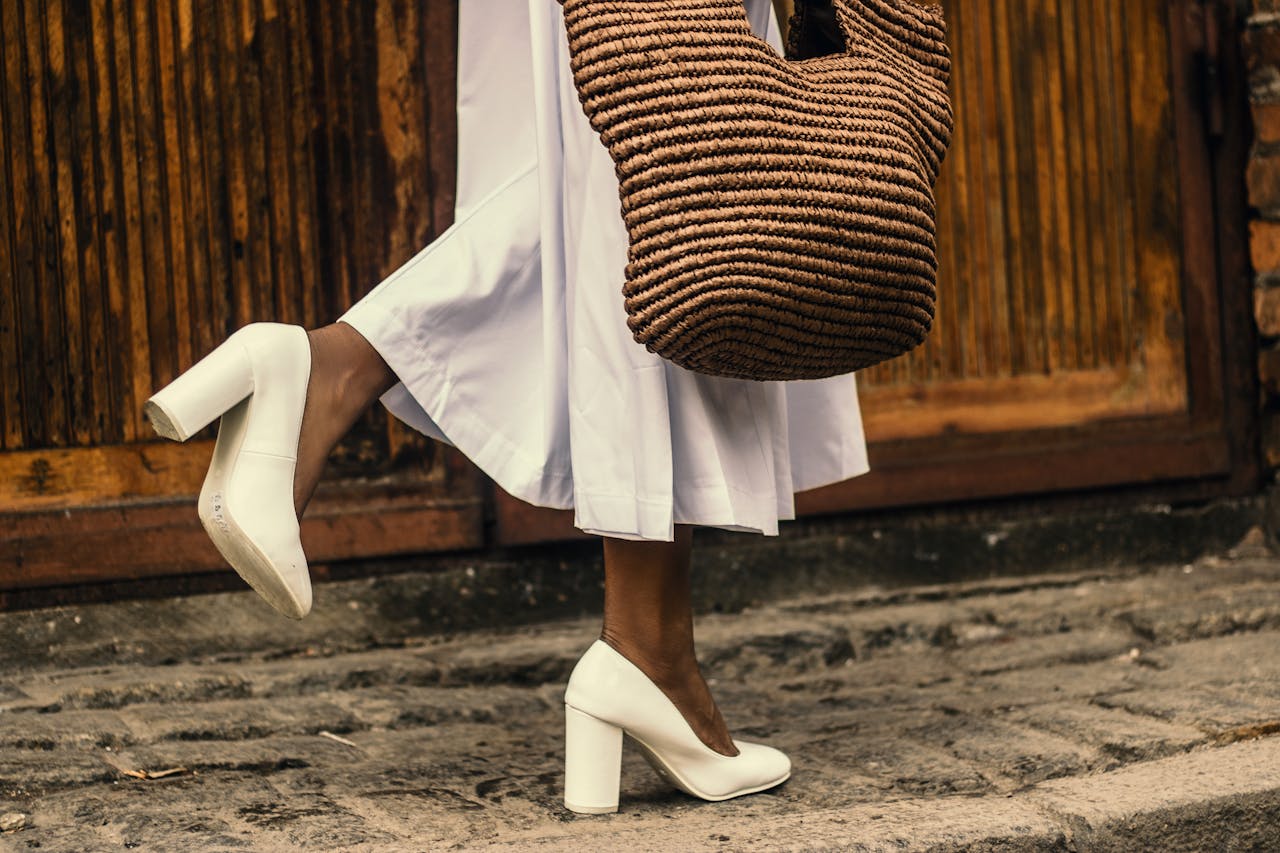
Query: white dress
509	337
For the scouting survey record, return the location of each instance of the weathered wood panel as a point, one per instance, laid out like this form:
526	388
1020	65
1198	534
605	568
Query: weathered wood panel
1059	233
169	171
174	169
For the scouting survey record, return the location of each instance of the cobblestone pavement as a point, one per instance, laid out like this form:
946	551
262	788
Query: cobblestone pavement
1131	711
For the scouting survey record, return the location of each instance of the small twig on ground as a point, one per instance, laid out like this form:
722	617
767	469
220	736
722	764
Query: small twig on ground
155	774
341	740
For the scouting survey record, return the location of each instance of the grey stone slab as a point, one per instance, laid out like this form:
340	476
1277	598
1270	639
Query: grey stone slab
181	813
1172	804
1207	780
1009	754
1212	613
309	820
1063	681
257	758
399	706
1011	651
1212	709
33	731
934	824
117	687
896	764
236	719
29	773
1249	660
1128	737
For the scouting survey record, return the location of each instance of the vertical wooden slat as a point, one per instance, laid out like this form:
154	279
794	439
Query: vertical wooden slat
1011	238
172	169
364	155
300	130
200	328
76	376
953	305
11	400
440	22
401	122
1099	88
1156	203
1091	77
929	362
1072	231
1120	149
950	301
101	404
130	298
339	206
983	204
155	262
1025	133
331	173
48	351
253	139
234	190
206	52
975	275
280	209
990	106
111	224
1057	262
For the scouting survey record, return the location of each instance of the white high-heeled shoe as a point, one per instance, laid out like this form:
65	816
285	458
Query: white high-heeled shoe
608	695
256	380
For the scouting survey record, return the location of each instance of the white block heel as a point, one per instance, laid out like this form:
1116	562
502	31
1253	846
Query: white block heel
210	387
608	696
256	381
592	763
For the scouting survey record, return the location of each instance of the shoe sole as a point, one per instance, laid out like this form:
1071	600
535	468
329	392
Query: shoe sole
240	552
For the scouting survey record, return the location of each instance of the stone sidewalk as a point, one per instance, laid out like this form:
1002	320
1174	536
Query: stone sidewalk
1108	711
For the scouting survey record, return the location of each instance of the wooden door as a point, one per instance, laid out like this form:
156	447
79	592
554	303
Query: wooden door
1093	325
1086	299
169	171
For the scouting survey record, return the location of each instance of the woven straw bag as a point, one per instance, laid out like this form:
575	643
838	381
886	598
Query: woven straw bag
780	211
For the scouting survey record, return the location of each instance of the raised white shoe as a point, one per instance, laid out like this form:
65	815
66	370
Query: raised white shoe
609	695
256	380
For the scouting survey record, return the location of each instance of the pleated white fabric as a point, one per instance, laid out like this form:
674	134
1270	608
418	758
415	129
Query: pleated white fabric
509	337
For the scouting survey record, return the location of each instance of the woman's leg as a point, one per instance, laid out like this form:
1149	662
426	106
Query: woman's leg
647	614
347	376
648	620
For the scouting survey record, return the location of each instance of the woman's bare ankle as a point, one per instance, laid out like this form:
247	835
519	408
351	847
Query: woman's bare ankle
357	371
347	376
678	676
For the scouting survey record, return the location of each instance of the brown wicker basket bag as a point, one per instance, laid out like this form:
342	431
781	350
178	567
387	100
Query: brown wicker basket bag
780	212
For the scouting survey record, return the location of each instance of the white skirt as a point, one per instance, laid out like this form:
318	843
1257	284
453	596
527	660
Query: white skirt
509	337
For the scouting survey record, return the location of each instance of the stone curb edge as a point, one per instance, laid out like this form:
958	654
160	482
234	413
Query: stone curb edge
1223	798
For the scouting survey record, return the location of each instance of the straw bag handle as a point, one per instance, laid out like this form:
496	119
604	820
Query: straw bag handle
891	26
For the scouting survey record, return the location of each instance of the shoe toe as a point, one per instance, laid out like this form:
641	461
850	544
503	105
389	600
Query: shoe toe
768	766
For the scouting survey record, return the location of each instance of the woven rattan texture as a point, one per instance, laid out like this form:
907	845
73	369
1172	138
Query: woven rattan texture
780	213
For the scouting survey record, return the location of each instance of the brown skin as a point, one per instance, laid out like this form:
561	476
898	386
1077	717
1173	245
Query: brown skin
649	620
647	614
